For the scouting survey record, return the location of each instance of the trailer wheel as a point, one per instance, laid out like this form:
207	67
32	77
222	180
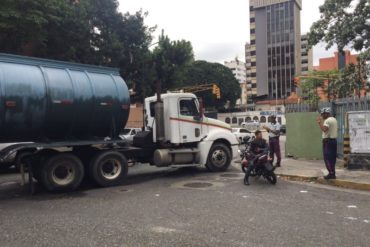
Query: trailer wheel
108	168
219	158
62	172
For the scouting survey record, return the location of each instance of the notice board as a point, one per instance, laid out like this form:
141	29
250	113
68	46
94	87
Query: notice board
359	131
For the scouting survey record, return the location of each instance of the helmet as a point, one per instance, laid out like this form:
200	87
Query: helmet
325	110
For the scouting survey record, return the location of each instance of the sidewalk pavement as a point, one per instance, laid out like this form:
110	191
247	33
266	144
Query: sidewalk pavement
314	170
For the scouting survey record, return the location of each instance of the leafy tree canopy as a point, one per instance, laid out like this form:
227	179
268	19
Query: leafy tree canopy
343	22
202	72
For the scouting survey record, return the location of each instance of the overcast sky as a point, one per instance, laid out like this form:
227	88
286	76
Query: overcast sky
217	29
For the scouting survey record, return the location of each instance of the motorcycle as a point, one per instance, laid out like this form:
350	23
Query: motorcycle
263	165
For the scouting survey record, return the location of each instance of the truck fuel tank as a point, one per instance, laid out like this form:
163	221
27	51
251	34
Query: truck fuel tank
52	100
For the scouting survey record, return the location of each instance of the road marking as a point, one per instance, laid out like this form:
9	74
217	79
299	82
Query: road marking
367	221
350	218
157	195
351	206
245	196
160	229
304	191
329	212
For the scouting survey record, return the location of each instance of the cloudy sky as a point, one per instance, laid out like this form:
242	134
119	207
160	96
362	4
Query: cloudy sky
217	29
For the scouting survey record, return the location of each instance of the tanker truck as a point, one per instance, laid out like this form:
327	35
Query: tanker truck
63	120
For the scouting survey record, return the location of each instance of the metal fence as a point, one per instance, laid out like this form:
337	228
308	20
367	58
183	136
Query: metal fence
339	107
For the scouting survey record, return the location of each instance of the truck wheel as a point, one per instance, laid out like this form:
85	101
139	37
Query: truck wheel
108	168
62	172
219	158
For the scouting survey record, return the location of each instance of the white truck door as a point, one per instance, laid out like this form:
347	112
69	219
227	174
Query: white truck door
189	120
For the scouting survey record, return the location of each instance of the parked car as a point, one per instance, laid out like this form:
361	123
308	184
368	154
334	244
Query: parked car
251	126
240	133
129	133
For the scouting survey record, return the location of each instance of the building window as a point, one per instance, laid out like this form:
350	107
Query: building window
240	121
255	118
253	31
248	119
234	120
253	64
252	20
227	120
263	119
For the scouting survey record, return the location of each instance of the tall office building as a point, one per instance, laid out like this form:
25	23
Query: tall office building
275	46
306	56
239	71
251	90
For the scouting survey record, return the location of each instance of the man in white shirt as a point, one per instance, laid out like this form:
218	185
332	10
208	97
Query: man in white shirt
329	128
274	143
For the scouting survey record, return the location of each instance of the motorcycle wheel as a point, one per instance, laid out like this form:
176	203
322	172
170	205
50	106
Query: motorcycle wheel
271	177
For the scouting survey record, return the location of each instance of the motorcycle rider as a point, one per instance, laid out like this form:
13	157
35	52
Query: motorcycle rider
258	145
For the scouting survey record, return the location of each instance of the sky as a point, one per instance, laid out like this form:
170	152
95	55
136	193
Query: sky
217	29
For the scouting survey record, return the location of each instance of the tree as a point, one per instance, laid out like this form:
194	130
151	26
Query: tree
343	22
202	72
85	31
170	59
313	83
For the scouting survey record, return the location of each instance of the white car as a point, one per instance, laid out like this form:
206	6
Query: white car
240	133
251	125
129	133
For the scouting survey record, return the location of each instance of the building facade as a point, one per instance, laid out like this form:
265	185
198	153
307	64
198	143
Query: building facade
332	63
306	56
251	87
240	72
275	46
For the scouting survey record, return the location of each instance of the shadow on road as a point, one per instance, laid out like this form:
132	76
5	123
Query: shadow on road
10	186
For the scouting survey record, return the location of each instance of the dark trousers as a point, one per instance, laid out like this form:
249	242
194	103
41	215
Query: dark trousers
251	166
274	145
329	147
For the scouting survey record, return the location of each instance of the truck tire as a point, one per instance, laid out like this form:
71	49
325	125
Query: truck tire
61	172
219	158
108	168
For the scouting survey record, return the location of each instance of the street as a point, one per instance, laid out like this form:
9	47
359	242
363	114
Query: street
185	207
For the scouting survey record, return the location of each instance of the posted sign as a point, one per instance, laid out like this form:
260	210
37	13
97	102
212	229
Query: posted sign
359	131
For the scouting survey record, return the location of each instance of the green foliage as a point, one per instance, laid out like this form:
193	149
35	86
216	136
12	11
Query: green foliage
170	59
343	22
202	72
310	84
85	31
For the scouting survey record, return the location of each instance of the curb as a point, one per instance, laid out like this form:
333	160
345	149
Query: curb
297	177
345	184
335	182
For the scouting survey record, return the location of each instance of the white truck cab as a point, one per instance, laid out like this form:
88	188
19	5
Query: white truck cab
191	137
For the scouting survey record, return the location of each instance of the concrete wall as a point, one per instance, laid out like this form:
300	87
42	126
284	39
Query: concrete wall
303	137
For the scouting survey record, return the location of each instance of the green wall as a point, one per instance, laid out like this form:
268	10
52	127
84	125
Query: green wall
303	137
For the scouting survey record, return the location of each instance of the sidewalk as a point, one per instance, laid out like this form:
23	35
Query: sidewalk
315	170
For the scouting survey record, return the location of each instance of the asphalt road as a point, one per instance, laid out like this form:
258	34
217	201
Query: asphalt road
185	207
